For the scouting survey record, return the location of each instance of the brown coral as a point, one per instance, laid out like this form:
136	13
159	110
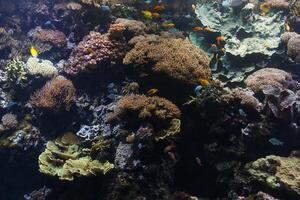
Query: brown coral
147	107
177	58
266	77
55	37
126	29
56	94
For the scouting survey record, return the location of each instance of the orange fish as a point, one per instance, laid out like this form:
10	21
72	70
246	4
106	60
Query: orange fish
220	39
159	8
168	25
198	28
204	82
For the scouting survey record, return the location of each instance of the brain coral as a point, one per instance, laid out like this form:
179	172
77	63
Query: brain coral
266	77
177	58
94	49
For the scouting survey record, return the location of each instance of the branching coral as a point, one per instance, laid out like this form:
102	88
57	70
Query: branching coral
155	110
57	94
266	77
177	58
94	49
67	160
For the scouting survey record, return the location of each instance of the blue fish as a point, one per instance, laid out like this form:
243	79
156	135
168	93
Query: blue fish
147	1
275	142
198	90
105	8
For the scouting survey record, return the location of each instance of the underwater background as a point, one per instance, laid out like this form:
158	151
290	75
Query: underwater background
149	99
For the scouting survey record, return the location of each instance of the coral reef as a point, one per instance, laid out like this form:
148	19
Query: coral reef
65	158
266	77
292	40
245	33
9	121
277	172
179	59
57	94
95	49
16	72
55	37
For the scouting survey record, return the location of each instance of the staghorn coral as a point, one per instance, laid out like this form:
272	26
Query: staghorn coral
266	77
55	37
57	94
94	49
39	67
161	113
66	159
177	58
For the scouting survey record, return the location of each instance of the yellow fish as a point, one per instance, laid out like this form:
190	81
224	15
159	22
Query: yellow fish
33	51
287	27
204	82
265	8
147	14
152	91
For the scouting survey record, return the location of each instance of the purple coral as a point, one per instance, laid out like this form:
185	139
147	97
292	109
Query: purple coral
93	50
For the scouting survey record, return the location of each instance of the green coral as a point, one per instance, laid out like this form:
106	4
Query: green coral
16	72
66	159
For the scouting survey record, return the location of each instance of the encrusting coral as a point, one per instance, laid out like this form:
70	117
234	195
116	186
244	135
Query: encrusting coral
66	159
266	77
94	49
177	58
57	94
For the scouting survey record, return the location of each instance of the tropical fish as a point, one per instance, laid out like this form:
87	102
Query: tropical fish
207	29
168	25
147	1
105	8
204	82
159	8
198	90
197	28
287	27
152	91
155	15
33	51
147	14
275	142
265	8
220	39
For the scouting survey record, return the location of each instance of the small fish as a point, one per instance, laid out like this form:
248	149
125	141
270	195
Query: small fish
105	8
147	14
152	91
193	7
220	39
198	90
204	82
155	15
33	51
287	27
168	25
147	1
275	142
197	28
207	29
265	8
159	8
